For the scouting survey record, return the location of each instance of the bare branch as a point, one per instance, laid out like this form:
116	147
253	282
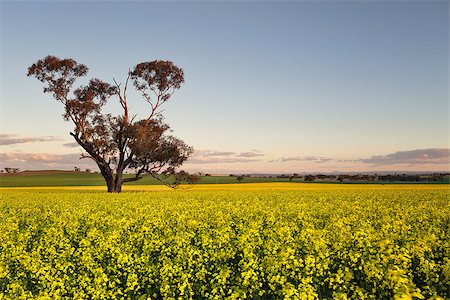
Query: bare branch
82	156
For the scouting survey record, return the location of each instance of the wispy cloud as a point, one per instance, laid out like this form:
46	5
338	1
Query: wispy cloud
10	139
314	159
33	161
209	153
220	160
253	153
410	157
418	156
215	157
71	145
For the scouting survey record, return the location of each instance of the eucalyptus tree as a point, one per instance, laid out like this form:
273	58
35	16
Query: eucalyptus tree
120	142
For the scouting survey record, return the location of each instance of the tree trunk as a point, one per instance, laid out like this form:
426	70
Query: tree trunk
114	184
110	185
118	187
118	181
109	179
104	167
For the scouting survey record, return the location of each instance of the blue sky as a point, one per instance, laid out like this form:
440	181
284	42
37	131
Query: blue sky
270	86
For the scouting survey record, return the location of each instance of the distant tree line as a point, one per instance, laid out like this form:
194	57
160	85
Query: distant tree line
10	170
433	177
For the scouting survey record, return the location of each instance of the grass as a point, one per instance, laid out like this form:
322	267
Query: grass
91	179
83	179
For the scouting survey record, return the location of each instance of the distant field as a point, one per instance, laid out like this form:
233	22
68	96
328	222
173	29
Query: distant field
233	241
56	178
70	178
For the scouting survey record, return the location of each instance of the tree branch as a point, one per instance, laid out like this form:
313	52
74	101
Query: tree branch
82	155
137	175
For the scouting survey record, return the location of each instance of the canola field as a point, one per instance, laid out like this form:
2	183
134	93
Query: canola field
242	241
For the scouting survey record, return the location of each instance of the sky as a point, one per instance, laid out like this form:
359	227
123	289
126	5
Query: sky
270	86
